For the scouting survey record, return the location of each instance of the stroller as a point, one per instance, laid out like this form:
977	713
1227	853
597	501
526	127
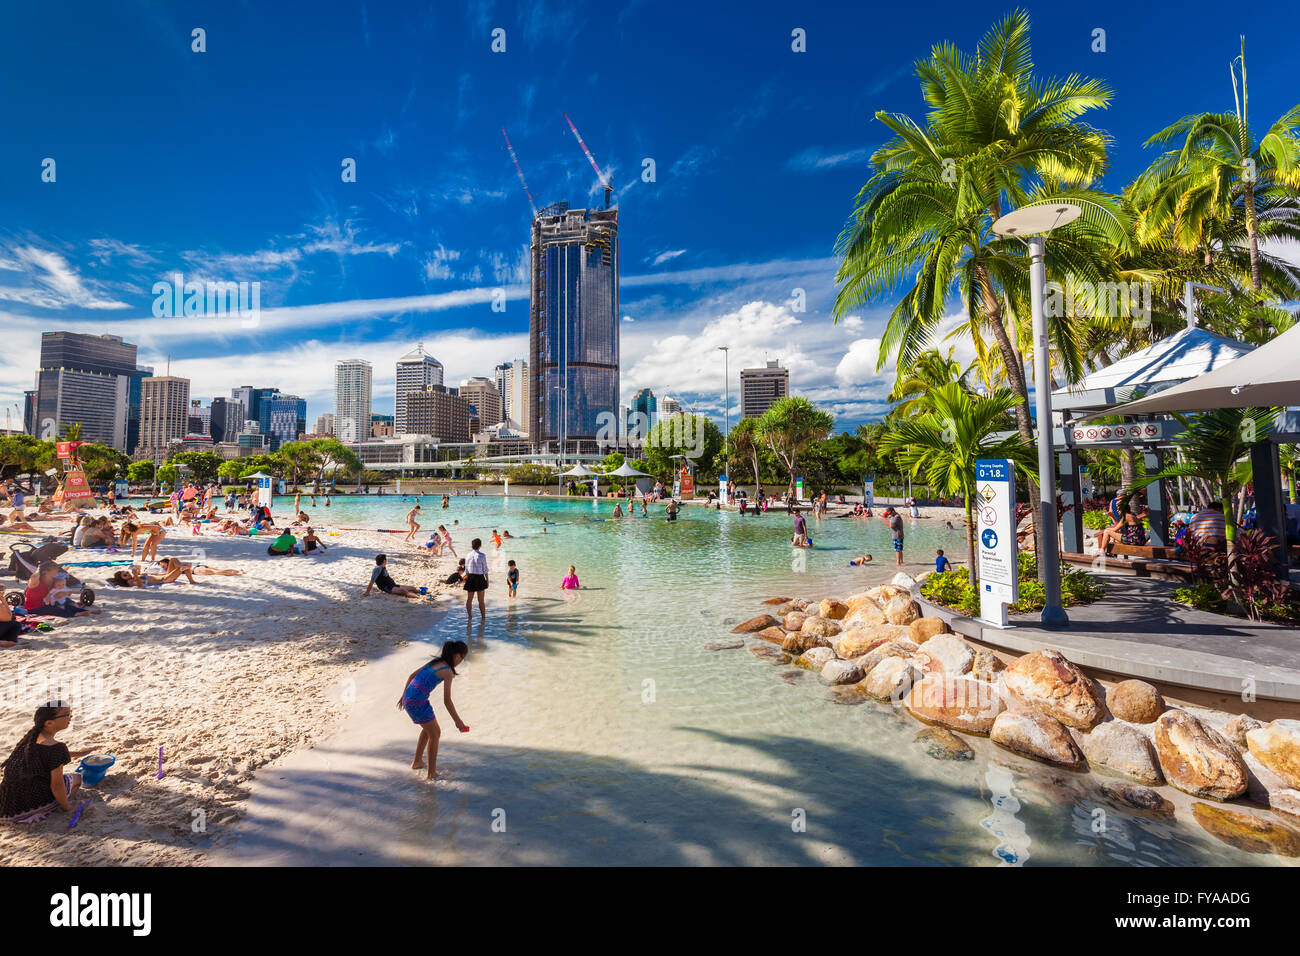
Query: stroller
25	558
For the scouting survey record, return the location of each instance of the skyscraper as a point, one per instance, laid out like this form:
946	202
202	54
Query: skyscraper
483	395
760	387
433	412
84	379
352	386
227	419
643	404
501	375
282	418
573	324
669	407
164	412
417	370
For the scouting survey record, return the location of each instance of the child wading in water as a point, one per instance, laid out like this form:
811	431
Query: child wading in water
570	582
512	578
415	701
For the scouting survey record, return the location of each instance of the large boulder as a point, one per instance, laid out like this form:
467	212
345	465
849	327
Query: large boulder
890	679
1135	701
815	658
833	609
821	626
1047	681
942	744
1117	748
902	610
755	624
797	642
865	614
959	703
777	600
1031	733
903	580
1140	798
1277	747
986	665
841	672
888	649
887	592
1237	727
924	628
794	620
944	654
1247	831
1198	759
857	643
855	601
773	635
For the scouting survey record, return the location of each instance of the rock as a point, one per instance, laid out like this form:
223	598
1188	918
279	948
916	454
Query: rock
777	600
814	658
903	580
1287	803
1140	798
890	679
1198	759
794	620
1046	680
798	642
943	744
889	649
1277	747
887	592
1117	748
865	614
986	665
959	703
924	628
755	624
1237	727
773	635
841	672
1032	733
792	677
857	643
833	609
846	694
924	576
943	654
800	604
724	646
822	627
855	601
766	652
1247	831
902	610
1135	701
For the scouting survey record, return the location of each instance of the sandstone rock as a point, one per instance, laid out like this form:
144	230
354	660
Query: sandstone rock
1198	759
1277	747
1117	748
792	677
924	628
755	624
986	665
1135	701
903	580
1046	680
890	679
821	626
794	620
766	652
943	654
857	643
889	649
960	703
942	744
841	672
864	614
777	600
888	592
1286	803
833	609
846	694
902	610
1140	798
773	635
1247	831
814	658
1031	733
797	642
1237	727
734	645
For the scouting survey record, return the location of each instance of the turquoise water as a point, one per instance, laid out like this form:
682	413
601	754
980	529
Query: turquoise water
608	733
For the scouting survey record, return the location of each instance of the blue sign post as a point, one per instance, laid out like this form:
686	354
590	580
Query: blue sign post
995	538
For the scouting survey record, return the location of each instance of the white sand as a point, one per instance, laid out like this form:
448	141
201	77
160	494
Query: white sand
224	676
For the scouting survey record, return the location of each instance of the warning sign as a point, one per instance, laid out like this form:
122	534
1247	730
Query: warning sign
988	515
987	492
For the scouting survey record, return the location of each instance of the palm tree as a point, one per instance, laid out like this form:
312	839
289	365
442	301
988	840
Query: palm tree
745	443
930	370
789	426
956	429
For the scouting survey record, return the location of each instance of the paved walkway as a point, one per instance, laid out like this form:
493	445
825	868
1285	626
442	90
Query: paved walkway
1137	631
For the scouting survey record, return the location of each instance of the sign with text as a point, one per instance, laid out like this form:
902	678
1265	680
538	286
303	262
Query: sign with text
869	493
995	538
798	489
264	491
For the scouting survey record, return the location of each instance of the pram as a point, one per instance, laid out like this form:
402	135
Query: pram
25	558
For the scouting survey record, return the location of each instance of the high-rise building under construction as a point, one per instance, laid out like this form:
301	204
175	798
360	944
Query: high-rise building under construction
573	327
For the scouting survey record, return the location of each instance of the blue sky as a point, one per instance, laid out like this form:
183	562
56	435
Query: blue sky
225	166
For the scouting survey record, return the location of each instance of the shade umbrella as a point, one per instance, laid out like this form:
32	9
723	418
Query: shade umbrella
1265	378
256	474
578	471
626	471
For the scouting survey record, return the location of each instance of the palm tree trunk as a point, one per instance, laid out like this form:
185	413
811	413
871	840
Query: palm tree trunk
970	542
1252	231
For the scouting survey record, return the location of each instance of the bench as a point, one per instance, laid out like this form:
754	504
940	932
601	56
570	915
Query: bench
1151	552
1138	567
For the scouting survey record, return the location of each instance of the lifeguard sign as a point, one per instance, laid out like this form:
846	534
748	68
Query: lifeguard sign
75	489
688	484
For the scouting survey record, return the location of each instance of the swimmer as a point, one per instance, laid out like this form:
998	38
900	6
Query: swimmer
859	562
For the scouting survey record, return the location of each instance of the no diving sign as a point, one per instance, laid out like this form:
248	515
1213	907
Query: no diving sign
996	540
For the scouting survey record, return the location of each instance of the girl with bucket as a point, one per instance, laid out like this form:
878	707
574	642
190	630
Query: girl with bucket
34	784
415	701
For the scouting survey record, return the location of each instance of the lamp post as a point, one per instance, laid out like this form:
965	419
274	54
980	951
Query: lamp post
726	405
1032	224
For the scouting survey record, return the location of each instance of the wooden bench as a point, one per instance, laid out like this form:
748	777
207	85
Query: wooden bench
1138	567
1148	551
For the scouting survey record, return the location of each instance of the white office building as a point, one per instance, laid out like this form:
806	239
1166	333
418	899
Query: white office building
417	370
353	380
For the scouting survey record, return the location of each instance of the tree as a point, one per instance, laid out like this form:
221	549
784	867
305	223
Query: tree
168	473
138	472
954	431
72	432
230	471
102	463
297	458
333	455
929	371
203	466
746	444
789	426
23	454
694	436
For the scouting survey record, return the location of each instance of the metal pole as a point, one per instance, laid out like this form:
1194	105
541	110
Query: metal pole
1053	614
726	405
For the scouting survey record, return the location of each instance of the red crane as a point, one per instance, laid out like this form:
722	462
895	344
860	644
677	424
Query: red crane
604	180
515	159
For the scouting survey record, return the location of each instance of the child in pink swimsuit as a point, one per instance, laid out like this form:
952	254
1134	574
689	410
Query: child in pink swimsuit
570	582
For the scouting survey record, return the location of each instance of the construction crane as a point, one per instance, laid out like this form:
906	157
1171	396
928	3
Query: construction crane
604	180
515	159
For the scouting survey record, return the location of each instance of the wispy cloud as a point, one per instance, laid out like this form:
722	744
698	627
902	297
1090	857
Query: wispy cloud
665	256
48	281
815	159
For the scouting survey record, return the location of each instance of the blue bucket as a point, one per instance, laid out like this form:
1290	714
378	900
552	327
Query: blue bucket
93	771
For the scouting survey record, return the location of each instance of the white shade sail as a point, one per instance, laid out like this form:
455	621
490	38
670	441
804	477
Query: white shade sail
578	471
626	471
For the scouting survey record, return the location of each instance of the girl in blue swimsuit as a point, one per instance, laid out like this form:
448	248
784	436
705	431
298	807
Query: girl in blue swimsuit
415	701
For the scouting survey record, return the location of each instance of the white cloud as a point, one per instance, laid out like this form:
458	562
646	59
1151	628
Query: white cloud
665	256
438	264
853	323
815	159
51	283
858	366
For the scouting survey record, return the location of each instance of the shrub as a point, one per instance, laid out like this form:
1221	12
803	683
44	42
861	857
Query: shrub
953	589
1203	597
1096	520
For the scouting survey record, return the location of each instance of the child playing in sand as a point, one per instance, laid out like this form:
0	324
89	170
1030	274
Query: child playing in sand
512	578
415	701
570	582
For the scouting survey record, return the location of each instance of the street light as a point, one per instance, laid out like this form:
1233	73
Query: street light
726	405
1033	224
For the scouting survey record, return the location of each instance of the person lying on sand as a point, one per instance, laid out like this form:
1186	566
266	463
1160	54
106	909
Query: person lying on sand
173	569
231	526
17	523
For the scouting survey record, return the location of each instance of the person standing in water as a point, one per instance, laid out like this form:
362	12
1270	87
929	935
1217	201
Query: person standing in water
476	580
895	521
411	524
415	701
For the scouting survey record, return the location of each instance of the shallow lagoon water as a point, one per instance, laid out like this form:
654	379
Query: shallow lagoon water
604	732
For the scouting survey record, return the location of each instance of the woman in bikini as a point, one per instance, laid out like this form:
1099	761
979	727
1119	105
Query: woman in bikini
154	533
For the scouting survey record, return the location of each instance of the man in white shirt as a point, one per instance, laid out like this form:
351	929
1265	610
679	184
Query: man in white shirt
476	580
